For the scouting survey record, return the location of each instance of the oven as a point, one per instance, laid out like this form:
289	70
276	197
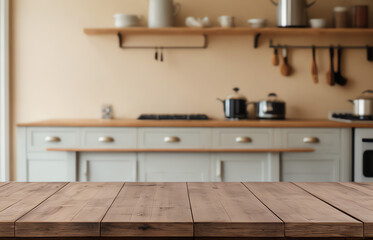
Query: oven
363	155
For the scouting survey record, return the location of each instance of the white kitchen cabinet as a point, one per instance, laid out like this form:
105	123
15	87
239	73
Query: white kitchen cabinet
107	167
174	167
51	167
246	167
310	167
331	161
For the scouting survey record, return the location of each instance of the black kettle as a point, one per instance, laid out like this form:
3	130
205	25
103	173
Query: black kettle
235	106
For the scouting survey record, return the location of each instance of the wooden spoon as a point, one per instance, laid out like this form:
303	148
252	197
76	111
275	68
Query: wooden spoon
285	68
314	70
275	59
330	76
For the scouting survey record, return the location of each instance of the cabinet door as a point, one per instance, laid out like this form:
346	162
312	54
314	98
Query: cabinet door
51	167
174	167
310	168
107	167
248	167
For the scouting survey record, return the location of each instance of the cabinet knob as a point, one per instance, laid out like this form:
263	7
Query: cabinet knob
171	139
311	140
243	140
106	139
52	139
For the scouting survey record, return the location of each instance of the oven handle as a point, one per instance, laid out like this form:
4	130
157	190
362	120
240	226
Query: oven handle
368	140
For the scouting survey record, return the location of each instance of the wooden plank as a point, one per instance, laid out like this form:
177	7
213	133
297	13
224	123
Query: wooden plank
290	123
225	31
75	211
230	210
138	150
347	197
303	214
149	210
16	199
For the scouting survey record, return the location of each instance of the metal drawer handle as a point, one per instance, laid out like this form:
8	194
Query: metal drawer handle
52	139
243	140
311	140
106	139
171	139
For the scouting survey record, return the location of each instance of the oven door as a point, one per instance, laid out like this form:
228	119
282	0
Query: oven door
363	157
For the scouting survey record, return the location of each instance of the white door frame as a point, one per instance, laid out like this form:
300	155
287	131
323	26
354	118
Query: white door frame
4	90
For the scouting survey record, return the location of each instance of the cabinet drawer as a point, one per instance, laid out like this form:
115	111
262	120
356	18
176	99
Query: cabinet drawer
242	138
109	138
39	139
166	138
322	140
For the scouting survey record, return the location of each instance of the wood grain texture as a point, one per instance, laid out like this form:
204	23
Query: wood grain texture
150	210
230	210
225	31
350	198
74	211
16	199
138	150
206	123
303	214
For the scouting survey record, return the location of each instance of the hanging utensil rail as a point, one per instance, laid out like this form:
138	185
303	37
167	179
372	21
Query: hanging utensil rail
204	46
271	45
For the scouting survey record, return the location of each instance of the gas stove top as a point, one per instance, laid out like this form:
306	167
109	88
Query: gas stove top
173	117
348	117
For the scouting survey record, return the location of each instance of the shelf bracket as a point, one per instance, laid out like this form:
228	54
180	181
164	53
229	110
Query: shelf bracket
203	46
256	40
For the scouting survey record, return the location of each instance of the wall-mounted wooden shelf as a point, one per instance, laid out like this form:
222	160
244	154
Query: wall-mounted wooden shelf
225	31
257	32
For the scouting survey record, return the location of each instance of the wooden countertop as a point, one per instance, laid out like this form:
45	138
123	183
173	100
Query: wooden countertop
184	123
186	210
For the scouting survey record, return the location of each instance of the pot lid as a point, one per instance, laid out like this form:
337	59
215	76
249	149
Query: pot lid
272	97
366	95
236	95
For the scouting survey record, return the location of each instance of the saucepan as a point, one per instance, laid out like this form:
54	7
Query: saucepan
363	104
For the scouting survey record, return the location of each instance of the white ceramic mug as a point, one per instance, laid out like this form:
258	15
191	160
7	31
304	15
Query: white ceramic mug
318	23
162	13
226	21
127	20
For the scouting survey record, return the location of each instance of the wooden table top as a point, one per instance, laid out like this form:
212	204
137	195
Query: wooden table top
289	123
186	210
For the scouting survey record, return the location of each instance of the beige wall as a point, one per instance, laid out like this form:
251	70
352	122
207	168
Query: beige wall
59	72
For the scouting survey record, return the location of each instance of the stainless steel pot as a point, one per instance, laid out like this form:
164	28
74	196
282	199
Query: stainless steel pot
271	108
292	13
235	106
363	105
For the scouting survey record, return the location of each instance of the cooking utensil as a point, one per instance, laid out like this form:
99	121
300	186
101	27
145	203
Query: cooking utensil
270	108
363	105
370	54
275	59
285	68
235	106
330	76
339	79
314	70
156	54
292	13
162	55
162	13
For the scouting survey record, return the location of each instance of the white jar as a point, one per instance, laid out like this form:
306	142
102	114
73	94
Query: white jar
162	13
